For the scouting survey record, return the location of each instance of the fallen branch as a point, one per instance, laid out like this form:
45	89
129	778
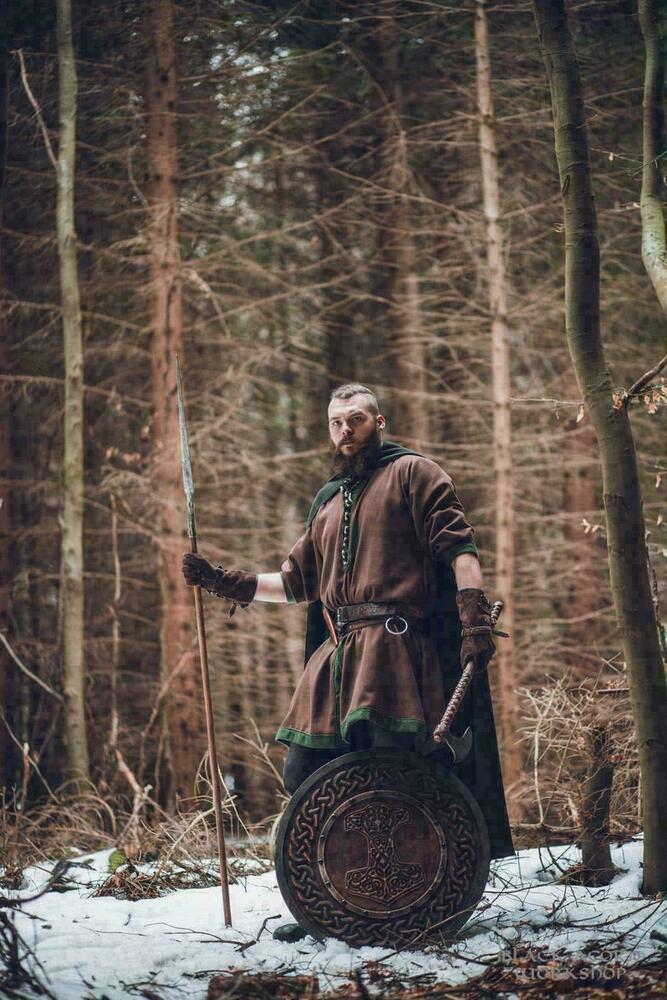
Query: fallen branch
58	871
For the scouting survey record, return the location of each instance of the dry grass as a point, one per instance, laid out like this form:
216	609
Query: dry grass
163	853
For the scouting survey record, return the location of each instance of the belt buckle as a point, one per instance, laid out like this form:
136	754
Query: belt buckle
396	630
341	623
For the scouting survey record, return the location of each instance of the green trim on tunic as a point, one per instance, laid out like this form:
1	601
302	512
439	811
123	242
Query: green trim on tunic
457	550
315	741
335	674
386	722
354	527
291	599
330	741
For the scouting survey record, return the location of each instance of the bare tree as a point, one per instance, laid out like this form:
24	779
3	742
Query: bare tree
622	495
72	534
166	320
406	336
5	441
502	416
653	20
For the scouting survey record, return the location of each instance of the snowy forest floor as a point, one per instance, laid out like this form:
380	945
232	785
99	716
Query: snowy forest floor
532	935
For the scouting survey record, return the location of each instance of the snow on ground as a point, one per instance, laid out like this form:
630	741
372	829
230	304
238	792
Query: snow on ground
104	947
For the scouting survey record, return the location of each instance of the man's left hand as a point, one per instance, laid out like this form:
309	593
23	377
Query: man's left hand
477	645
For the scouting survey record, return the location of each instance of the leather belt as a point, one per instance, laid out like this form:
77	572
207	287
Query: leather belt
396	618
357	612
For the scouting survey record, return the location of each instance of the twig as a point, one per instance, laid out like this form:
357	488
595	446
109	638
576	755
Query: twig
129	840
26	671
646	378
13	972
33	101
363	992
276	916
59	870
14	738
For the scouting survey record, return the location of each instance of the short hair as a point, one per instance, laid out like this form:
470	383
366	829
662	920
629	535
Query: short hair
351	389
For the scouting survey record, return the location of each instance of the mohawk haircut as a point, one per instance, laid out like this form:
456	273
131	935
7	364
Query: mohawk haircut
351	389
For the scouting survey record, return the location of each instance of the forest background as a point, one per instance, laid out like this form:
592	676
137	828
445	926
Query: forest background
289	196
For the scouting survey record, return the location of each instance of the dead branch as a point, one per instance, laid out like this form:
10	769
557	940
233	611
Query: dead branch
38	112
644	380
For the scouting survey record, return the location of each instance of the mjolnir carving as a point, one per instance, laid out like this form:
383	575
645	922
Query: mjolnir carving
441	732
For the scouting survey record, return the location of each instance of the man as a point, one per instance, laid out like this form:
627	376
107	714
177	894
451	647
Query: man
386	560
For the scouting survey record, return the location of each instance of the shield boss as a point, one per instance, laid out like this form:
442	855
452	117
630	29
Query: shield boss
382	848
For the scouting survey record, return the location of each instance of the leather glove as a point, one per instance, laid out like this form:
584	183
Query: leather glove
235	585
198	571
476	628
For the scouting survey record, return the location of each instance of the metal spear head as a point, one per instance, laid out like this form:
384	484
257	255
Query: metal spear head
185	456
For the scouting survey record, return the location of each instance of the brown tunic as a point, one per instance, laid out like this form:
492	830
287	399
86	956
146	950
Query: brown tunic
406	518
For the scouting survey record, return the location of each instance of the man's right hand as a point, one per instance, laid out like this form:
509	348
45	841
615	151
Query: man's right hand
233	584
198	571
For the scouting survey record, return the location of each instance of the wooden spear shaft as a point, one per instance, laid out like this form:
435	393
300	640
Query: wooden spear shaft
212	750
203	656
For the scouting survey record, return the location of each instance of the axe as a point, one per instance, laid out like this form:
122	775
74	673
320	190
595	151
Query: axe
460	746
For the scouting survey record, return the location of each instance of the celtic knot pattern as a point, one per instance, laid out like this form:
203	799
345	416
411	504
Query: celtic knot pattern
446	908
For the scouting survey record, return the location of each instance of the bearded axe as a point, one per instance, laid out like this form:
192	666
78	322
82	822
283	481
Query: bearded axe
441	732
203	653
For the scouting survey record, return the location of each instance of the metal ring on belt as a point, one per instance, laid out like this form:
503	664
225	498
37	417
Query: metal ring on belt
396	631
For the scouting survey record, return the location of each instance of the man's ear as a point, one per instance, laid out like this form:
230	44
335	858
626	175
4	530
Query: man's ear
380	421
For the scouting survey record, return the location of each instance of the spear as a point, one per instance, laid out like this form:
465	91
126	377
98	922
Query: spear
203	654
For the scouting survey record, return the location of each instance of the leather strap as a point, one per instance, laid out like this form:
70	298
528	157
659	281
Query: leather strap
360	612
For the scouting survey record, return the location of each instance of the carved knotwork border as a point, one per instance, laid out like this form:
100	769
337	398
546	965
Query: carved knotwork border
448	898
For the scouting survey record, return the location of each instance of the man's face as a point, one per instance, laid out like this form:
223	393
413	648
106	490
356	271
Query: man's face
352	424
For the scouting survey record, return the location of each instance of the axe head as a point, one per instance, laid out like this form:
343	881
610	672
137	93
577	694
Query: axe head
460	746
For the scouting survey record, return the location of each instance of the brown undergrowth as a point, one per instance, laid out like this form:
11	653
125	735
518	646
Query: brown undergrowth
560	976
581	778
152	854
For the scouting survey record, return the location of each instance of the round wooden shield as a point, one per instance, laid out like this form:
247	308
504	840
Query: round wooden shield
382	848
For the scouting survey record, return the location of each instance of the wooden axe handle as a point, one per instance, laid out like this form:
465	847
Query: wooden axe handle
445	723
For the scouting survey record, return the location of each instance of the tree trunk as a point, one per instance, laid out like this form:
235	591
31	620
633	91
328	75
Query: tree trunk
505	666
406	348
621	490
653	20
598	868
581	584
183	727
6	683
6	679
72	535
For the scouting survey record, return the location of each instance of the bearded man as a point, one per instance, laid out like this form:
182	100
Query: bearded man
390	570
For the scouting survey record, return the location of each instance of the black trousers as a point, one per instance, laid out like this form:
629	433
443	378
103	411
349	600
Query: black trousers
301	762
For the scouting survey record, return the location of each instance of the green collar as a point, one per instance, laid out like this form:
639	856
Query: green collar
388	453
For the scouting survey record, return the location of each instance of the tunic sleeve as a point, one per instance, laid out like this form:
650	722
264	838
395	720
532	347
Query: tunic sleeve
299	571
439	518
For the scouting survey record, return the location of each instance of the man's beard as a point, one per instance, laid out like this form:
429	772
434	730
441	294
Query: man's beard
362	462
